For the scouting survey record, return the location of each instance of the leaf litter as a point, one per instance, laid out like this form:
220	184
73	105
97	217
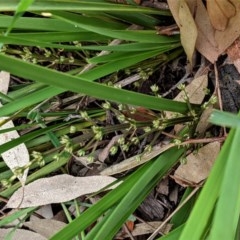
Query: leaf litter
57	189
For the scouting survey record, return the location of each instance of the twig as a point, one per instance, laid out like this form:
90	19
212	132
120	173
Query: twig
217	92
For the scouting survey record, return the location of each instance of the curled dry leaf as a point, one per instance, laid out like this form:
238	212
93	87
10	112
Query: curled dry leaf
215	35
20	234
57	189
198	165
17	156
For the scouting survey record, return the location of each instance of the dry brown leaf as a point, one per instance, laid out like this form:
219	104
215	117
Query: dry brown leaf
218	19
20	234
147	228
206	43
234	54
204	123
57	189
226	7
211	43
45	227
17	156
232	32
198	165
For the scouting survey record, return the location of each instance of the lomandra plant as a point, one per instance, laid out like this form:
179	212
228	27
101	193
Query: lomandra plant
44	35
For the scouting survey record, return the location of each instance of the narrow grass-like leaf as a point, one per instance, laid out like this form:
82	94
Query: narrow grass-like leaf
61	36
225	221
16	215
173	235
22	6
158	168
147	36
182	215
75	84
27	137
225	119
138	192
93	6
110	67
196	226
91	214
38	24
25	42
28	100
137	18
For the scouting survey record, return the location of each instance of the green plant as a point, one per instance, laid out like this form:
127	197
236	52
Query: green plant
36	45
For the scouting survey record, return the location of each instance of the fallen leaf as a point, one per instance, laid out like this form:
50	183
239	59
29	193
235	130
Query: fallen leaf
196	90
44	211
198	165
218	19
18	156
215	35
188	30
227	7
45	227
206	43
203	123
186	23
57	189
137	160
20	234
146	228
234	54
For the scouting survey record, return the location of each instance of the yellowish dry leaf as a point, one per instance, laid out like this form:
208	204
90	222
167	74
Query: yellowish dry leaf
188	30
186	23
